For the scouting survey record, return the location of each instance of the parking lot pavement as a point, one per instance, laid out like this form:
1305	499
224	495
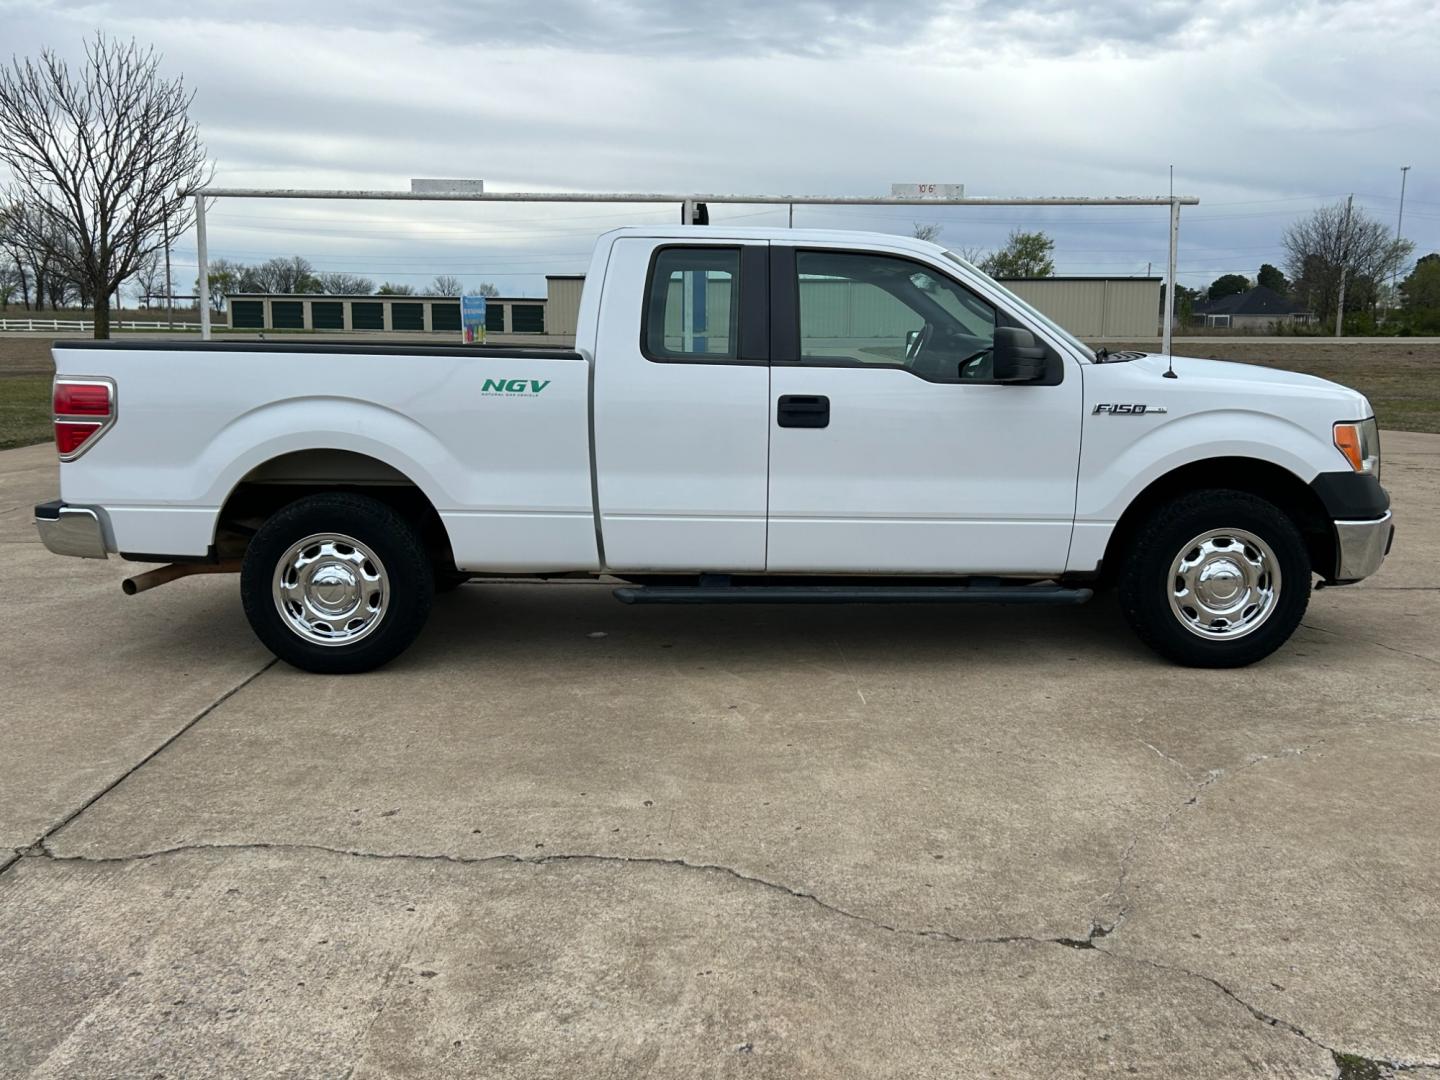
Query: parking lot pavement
562	836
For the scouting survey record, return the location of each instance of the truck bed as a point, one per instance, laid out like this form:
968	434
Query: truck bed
497	438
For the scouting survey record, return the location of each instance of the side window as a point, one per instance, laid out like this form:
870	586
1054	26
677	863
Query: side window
858	308
692	304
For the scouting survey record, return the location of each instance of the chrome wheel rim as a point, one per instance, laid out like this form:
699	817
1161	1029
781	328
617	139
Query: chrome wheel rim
1224	584
330	589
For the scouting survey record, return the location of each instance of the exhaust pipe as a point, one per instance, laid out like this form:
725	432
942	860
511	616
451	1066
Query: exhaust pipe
163	574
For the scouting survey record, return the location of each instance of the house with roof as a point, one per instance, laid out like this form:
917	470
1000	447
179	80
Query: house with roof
1255	309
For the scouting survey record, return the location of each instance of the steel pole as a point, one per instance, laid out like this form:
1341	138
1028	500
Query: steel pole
1399	221
1344	265
1169	325
202	256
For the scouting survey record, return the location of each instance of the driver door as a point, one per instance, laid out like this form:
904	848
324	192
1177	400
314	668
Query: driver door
891	451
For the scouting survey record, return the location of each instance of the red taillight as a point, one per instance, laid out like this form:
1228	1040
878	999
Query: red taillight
83	409
69	436
82	399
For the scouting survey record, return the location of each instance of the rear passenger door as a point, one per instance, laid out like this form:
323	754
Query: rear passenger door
682	390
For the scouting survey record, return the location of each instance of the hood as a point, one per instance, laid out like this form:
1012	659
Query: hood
1198	375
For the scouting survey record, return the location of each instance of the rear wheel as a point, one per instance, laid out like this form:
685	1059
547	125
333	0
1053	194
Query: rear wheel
1215	579
336	584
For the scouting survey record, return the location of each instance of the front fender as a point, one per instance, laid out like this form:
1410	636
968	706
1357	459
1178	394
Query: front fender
1113	473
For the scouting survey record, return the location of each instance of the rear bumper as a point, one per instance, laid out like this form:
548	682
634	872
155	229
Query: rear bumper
1361	546
71	530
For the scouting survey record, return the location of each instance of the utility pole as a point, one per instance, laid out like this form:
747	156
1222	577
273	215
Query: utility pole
1399	221
169	288
1344	260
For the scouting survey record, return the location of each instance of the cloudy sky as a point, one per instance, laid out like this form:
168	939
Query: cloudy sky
1266	111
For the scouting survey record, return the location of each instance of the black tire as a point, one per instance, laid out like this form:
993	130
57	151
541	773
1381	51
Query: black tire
394	543
1145	583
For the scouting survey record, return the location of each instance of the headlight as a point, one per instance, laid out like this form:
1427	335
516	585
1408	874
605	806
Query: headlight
1359	441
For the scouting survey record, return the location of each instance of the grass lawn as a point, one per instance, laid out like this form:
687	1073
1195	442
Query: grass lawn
24	410
1402	380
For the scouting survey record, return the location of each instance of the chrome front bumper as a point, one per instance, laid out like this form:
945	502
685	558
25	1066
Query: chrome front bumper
71	530
1361	546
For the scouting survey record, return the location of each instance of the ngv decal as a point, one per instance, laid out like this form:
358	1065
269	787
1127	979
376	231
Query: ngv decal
513	387
1128	409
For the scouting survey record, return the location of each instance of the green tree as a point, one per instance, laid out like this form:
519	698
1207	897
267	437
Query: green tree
1025	255
1421	292
390	288
1271	278
1227	285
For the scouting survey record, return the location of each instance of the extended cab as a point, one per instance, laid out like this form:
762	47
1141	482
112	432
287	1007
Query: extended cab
747	416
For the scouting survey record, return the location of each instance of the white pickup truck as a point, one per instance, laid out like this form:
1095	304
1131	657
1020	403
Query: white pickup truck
772	416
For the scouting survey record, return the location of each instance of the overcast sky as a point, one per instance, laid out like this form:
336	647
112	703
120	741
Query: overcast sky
1266	111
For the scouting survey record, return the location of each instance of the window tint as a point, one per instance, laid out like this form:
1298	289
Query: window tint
692	308
879	309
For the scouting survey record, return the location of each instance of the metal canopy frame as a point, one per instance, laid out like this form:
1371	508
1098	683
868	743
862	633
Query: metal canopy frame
688	204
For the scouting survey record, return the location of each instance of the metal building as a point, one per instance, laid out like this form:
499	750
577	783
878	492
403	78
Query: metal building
423	314
1089	307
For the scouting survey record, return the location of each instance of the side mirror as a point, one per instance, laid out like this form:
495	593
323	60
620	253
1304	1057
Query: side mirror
1018	357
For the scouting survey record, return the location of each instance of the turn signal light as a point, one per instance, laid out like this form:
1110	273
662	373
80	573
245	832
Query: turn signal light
84	409
1347	439
1359	441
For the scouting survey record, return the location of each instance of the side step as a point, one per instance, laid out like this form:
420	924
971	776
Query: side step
852	594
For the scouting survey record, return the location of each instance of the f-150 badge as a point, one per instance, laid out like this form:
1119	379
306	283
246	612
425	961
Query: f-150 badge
1128	410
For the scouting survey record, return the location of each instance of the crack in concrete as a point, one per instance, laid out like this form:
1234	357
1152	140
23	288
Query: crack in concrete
1091	942
1396	1064
40	841
42	850
1213	776
1377	644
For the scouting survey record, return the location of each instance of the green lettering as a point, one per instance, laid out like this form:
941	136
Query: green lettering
536	385
517	386
493	384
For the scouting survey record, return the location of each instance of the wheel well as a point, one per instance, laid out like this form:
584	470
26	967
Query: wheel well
284	479
1271	482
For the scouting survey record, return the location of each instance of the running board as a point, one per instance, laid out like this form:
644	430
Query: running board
852	594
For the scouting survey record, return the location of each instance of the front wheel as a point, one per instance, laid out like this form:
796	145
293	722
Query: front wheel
1215	579
336	584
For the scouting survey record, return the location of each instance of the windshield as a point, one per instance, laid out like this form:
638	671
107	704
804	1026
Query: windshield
1029	309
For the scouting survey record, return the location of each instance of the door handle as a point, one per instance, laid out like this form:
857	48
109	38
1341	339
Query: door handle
803	411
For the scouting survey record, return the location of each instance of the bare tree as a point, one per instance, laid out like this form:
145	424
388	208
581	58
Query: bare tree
485	288
340	284
445	285
281	275
1319	247
150	277
9	279
924	232
973	253
98	158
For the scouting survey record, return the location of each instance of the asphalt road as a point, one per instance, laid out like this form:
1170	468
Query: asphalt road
563	837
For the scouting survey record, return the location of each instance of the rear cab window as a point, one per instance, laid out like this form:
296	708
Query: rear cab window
692	305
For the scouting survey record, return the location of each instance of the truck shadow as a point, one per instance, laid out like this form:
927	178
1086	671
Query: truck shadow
582	621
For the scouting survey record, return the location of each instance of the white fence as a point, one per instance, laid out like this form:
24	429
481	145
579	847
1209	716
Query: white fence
86	326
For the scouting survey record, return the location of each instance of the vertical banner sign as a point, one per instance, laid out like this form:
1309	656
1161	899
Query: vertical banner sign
472	320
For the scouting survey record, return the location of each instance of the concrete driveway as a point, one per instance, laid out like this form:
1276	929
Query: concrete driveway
563	837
